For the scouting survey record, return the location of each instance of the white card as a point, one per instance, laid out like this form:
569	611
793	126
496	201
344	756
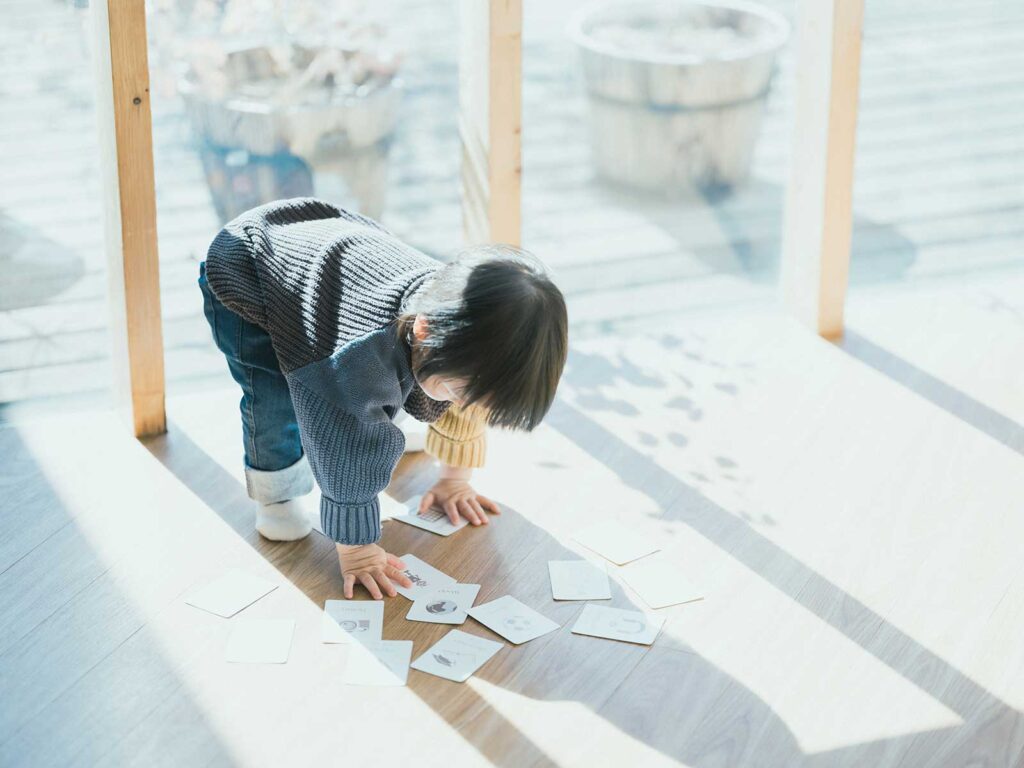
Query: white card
618	624
230	593
512	620
659	582
381	662
433	520
348	620
614	542
260	641
578	580
445	605
425	579
456	656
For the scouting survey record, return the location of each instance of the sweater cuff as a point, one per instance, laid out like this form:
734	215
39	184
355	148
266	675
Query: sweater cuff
457	453
350	523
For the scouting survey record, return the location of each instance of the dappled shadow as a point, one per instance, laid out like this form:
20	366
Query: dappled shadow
517	550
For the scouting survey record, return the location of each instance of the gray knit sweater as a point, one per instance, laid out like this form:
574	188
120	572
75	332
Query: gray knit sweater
327	285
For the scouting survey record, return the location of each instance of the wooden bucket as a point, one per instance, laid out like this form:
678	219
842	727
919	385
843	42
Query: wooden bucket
677	89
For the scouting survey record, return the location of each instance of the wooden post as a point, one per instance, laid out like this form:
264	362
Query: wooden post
490	116
819	198
126	154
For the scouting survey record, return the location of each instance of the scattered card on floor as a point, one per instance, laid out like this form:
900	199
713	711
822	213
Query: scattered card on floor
345	621
434	520
230	593
456	656
425	578
380	662
615	542
514	621
618	624
578	580
260	641
659	582
445	605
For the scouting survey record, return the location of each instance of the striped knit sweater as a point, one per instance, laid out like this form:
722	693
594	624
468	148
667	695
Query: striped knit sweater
327	285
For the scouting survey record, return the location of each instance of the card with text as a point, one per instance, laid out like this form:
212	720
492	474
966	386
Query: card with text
425	578
618	624
578	580
514	621
456	656
348	620
445	605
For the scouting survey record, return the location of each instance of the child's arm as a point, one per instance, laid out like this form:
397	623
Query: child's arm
459	441
459	437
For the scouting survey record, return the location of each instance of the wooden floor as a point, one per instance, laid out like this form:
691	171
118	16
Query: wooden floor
852	512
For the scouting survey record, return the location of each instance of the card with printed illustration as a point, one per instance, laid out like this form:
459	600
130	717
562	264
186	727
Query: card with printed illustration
425	578
445	605
434	520
578	580
380	662
514	621
618	624
456	656
345	621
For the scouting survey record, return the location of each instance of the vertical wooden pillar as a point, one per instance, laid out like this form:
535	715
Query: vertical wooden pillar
126	154
490	116
819	197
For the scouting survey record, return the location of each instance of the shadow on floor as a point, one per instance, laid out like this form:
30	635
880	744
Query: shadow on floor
715	719
84	679
955	402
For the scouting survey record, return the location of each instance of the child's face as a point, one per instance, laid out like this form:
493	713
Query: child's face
444	389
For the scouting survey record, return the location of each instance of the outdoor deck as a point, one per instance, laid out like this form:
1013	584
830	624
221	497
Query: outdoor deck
939	190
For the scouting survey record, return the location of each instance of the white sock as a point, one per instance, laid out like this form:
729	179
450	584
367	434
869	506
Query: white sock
284	521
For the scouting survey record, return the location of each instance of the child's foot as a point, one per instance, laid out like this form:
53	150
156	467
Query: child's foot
284	521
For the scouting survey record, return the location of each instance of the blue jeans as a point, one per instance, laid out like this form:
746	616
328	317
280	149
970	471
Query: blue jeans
275	466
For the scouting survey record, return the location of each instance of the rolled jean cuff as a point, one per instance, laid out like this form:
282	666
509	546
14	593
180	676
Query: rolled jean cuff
271	487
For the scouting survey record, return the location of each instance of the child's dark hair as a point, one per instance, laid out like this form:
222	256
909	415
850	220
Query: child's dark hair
495	319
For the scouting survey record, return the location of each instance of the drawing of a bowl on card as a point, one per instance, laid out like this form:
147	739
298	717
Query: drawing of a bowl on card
451	659
351	626
442	606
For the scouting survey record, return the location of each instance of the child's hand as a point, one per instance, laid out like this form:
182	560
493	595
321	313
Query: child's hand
456	496
373	567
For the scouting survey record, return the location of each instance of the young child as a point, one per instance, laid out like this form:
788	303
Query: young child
331	326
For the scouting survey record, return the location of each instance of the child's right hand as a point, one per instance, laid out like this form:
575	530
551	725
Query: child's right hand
374	568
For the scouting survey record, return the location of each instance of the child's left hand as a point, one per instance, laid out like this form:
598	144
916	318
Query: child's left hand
457	497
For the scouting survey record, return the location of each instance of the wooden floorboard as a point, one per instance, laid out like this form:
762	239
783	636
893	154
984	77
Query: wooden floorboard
855	531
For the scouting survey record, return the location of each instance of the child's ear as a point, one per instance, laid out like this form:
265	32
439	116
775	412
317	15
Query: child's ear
419	327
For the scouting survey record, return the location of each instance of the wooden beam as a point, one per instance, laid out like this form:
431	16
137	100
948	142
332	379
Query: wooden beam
126	152
819	197
490	118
